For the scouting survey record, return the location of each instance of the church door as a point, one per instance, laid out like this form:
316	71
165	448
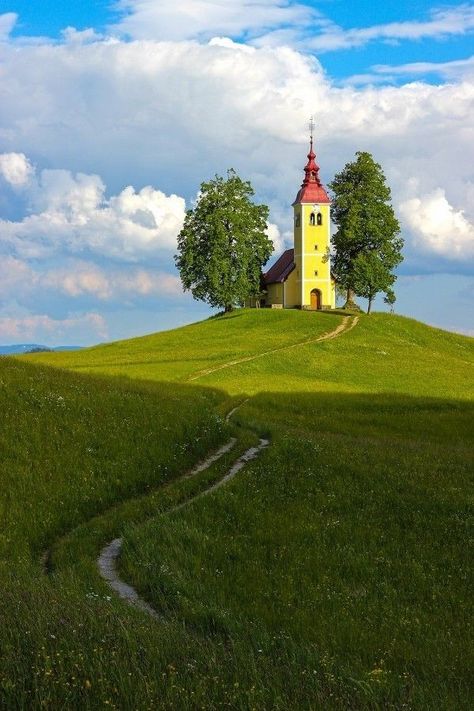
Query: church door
315	299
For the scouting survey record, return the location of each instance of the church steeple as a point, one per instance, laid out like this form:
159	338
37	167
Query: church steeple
312	189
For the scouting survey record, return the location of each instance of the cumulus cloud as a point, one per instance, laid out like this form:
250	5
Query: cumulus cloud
71	213
275	235
176	113
40	327
15	169
438	226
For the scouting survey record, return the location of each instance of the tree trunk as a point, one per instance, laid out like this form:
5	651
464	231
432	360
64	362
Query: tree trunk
350	301
228	308
371	298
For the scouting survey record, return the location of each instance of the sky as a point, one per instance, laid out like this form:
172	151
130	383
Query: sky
112	112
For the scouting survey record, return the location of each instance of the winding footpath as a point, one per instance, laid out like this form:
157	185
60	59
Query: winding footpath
347	324
107	561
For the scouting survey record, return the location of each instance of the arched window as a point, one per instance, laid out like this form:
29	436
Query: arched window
319	219
297	221
312	219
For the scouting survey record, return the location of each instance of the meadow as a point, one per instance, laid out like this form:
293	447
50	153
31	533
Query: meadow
331	573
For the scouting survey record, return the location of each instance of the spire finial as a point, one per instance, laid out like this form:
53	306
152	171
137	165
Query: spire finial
311	128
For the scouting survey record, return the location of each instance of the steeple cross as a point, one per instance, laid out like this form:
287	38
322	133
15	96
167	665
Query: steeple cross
311	127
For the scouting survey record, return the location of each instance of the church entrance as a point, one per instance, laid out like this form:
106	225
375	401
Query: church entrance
315	299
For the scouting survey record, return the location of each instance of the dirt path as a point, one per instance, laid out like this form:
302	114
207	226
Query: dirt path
348	323
107	561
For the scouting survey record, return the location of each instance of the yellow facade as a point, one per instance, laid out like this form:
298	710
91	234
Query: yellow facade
312	234
292	291
275	295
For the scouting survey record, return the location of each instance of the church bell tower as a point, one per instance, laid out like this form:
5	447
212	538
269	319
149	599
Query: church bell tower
315	288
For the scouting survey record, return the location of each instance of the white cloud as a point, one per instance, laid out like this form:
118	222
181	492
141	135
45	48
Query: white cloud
276	23
202	19
457	20
73	36
70	213
42	327
274	234
83	278
7	23
438	226
16	169
15	274
175	113
456	69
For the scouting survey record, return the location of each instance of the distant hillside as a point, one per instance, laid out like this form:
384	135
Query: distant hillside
33	348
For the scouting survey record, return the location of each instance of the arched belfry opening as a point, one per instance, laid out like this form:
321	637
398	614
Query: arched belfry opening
319	219
312	219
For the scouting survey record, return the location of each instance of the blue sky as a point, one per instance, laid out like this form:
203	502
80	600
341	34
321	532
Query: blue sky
112	113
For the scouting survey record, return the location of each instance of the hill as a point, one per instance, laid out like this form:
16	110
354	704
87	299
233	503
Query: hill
331	573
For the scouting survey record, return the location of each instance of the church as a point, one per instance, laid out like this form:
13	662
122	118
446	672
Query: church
301	277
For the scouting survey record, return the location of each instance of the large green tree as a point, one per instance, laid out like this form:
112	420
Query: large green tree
224	244
367	242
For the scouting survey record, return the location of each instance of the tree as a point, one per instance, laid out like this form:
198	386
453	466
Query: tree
366	226
369	276
390	299
224	243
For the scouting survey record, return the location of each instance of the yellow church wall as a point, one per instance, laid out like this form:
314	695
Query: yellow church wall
274	295
311	248
291	291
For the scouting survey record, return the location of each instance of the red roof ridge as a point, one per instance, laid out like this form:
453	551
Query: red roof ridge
283	266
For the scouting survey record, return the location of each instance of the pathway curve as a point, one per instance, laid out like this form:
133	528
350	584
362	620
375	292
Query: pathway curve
347	324
107	561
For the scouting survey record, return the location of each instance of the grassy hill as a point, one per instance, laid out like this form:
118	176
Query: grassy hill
332	573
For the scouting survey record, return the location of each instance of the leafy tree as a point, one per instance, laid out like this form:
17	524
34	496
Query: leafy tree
366	226
369	276
224	243
390	299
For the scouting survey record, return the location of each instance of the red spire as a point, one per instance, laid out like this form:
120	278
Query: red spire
312	189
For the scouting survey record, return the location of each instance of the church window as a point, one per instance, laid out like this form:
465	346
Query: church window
319	219
312	219
315	272
297	221
315	247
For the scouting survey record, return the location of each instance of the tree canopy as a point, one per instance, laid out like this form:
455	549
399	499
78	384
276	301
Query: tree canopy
367	242
224	244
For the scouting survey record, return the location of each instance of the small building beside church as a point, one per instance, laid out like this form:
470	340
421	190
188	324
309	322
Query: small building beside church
301	277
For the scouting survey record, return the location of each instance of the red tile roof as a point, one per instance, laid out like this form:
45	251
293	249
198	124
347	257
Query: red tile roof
312	190
282	268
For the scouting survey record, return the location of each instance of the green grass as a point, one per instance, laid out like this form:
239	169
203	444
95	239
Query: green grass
185	352
332	573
